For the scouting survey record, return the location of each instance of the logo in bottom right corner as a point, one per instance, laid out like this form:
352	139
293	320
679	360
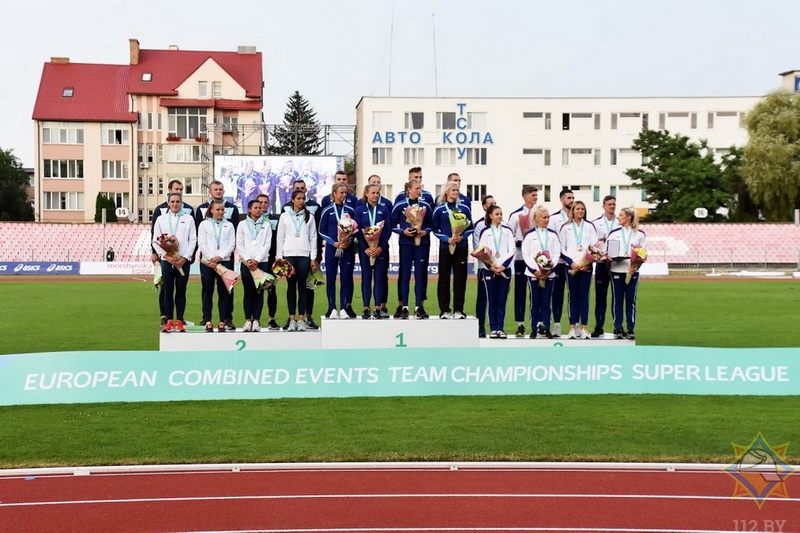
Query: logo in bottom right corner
760	470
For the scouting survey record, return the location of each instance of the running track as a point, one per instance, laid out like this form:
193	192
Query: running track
463	497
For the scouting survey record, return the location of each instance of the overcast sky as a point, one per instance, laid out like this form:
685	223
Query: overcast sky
335	52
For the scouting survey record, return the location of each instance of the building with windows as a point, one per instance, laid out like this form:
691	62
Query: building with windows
497	145
125	131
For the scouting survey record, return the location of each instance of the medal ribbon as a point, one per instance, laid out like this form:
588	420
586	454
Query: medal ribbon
497	241
578	236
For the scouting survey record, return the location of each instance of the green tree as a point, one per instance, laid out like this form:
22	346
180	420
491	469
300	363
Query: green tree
679	176
102	201
301	132
771	166
14	203
742	207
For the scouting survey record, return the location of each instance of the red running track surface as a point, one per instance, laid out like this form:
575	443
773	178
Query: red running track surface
390	500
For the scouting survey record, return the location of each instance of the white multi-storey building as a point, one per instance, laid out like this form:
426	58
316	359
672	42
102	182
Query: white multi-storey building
497	145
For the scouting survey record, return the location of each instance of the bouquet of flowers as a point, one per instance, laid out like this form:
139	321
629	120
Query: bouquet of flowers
638	256
263	280
315	279
593	253
525	222
157	280
282	268
169	243
230	277
485	254
415	216
458	223
373	234
546	265
347	227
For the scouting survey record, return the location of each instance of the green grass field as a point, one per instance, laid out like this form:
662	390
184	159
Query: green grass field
71	315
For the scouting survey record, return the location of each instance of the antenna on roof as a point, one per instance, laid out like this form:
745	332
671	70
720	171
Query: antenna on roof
391	42
435	68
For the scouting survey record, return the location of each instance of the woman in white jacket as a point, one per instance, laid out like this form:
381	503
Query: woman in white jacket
297	243
545	240
175	268
499	238
216	240
619	243
576	236
253	239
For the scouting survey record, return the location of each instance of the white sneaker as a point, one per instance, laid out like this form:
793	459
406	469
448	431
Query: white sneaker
445	316
571	334
557	330
256	325
248	326
301	325
459	315
585	334
292	325
343	315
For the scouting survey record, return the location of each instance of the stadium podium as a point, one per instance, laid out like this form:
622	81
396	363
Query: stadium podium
366	334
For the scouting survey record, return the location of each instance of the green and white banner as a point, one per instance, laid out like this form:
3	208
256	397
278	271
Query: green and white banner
76	377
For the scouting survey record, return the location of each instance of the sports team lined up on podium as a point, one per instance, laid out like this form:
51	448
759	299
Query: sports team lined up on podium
542	249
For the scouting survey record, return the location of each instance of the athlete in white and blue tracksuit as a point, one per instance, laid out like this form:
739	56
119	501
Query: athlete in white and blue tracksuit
343	264
623	295
500	240
540	238
372	214
576	236
412	255
602	278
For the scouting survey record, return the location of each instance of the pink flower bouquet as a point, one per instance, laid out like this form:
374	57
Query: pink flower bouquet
525	222
230	277
592	254
373	234
347	227
546	265
415	217
169	243
638	256
485	254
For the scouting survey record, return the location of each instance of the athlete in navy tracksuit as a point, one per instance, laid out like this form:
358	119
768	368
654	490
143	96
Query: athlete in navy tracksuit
412	254
456	261
602	279
373	268
344	263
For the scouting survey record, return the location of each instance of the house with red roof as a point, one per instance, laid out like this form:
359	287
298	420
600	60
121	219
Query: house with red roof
126	131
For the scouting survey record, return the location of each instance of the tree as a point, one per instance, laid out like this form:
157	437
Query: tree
771	166
679	176
14	203
300	133
103	201
742	207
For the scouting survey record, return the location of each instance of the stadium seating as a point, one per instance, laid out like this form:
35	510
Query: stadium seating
680	245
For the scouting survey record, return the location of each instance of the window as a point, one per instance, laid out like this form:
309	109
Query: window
68	92
644	195
202	89
149	121
565	157
161	187
446	120
229	123
185	122
139	121
741	119
693	120
62	201
159	121
613	190
381	156
613	121
62	168
710	120
645	121
597	121
613	157
476	156
115	170
536	114
545	152
120	199
662	121
192	185
446	156
547	161
182	153
564	121
150	185
115	134
382	120
386	190
147	76
62	132
216	89
140	186
476	192
414	156
596	193
414	120
477	121
597	157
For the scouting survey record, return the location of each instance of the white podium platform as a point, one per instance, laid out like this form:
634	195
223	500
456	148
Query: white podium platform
368	334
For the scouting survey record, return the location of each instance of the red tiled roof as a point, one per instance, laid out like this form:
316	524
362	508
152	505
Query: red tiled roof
247	105
170	68
99	93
